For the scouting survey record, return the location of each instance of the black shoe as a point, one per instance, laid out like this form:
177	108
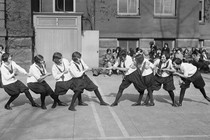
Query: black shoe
145	103
179	104
175	105
136	104
104	103
150	104
43	107
208	99
114	104
62	104
82	104
35	105
7	107
72	109
54	105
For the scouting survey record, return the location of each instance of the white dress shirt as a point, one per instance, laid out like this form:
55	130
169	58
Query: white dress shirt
167	64
188	69
36	73
148	67
57	71
128	63
77	70
7	77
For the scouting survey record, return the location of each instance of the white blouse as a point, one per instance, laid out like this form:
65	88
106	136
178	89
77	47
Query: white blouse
36	72
57	71
7	76
77	70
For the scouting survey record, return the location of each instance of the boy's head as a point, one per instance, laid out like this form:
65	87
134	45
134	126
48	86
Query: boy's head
6	57
39	59
57	58
177	62
76	56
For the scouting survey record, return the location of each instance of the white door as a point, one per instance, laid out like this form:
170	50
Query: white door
57	34
90	48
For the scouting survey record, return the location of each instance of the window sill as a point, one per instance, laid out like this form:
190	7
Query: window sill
165	17
128	16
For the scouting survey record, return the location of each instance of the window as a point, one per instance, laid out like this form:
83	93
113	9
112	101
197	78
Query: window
201	11
36	5
164	7
128	7
128	43
64	5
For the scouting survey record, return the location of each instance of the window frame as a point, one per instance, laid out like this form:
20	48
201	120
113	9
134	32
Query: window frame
127	40
202	11
172	14
39	6
127	13
74	7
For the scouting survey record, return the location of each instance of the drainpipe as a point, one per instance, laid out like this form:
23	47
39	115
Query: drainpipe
5	21
33	34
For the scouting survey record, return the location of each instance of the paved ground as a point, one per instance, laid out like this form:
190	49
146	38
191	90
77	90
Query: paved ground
95	122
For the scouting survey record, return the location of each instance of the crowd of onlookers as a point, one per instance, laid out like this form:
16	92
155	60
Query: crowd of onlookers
196	56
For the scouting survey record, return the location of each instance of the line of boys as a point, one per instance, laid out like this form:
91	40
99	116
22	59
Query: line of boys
139	72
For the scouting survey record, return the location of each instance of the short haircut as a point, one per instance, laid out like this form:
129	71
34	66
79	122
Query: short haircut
76	55
123	53
5	57
57	55
177	61
38	58
139	59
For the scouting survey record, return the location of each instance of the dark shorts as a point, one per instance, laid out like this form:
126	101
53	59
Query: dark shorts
196	79
15	88
134	78
167	82
61	87
148	80
40	88
83	82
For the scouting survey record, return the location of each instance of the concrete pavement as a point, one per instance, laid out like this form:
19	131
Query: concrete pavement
95	122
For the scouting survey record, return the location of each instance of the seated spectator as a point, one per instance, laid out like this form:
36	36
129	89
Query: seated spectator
108	60
165	49
186	55
179	54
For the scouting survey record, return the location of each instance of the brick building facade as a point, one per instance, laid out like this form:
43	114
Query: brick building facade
125	23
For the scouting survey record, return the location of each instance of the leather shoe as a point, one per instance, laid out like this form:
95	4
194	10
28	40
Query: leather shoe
36	105
83	104
43	107
72	109
150	104
104	103
62	104
54	105
179	104
208	99
114	104
7	107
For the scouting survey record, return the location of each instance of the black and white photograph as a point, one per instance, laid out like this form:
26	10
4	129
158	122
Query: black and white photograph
104	69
